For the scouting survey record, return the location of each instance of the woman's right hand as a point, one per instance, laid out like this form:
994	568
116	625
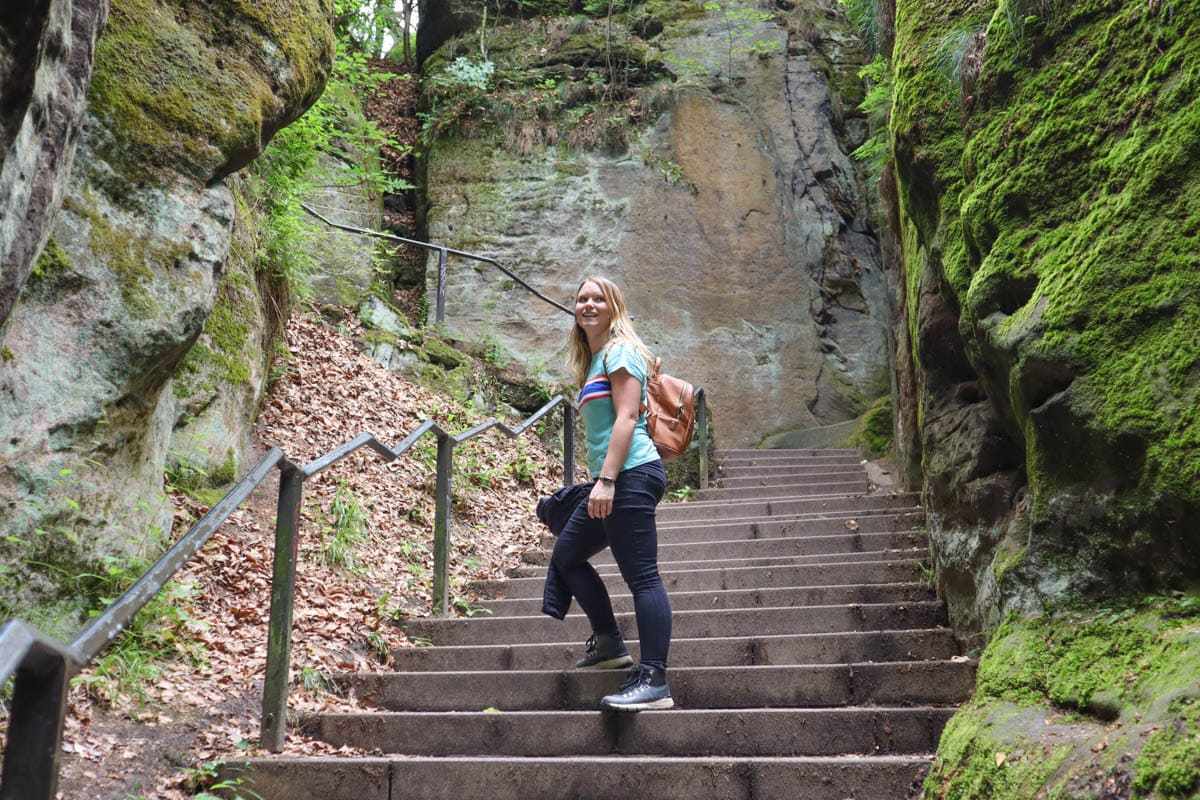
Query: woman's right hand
600	501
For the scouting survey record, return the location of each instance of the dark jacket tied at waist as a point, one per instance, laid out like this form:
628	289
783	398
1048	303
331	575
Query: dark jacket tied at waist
554	511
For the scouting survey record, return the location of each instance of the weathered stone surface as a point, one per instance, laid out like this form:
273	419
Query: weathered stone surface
1052	308
218	386
200	90
132	269
46	54
439	20
735	223
94	339
347	260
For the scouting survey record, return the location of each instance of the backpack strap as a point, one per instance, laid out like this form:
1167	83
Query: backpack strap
642	407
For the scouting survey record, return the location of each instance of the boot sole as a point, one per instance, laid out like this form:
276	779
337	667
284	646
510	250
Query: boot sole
612	663
662	703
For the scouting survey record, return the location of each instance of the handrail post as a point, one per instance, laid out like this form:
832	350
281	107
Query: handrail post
441	287
35	729
283	593
568	444
441	526
702	421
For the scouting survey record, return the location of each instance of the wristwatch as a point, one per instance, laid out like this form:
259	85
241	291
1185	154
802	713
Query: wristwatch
607	481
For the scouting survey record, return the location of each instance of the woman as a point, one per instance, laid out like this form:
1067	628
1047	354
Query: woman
611	363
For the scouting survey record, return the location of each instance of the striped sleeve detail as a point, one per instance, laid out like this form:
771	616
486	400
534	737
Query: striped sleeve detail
598	388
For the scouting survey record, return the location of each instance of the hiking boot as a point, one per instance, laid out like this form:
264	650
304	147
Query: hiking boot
645	688
605	652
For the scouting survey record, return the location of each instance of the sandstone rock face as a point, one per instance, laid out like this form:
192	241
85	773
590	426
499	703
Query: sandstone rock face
735	223
439	20
132	269
347	260
46	55
1052	295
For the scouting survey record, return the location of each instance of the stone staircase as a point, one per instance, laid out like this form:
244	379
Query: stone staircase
809	661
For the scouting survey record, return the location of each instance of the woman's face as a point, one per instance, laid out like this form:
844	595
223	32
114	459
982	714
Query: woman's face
592	313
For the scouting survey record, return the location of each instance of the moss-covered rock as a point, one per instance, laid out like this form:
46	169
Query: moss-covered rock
874	434
201	90
221	380
182	95
1049	218
1081	705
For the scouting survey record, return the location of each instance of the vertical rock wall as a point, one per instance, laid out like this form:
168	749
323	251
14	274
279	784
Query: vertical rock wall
1048	211
132	268
734	219
46	51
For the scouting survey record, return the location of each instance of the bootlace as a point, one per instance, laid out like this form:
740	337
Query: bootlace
591	644
638	676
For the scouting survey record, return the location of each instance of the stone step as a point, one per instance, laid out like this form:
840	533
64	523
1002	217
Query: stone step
794	475
842	542
705	511
671	567
783	469
807	686
745	598
684	624
731	464
826	574
596	778
679	732
788	452
799	546
825	488
868	521
724	457
751	649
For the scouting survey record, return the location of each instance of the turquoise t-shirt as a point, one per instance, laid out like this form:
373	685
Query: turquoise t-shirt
596	407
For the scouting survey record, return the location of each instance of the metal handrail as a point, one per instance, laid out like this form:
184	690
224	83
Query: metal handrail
43	666
443	251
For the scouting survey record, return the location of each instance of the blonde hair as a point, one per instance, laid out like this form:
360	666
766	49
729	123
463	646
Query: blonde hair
620	330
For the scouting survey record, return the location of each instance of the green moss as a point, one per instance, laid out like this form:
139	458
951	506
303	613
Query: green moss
228	336
874	434
227	347
438	352
226	473
1006	562
1056	208
131	260
378	336
571	168
53	262
189	95
1136	664
1084	228
1064	661
973	763
1169	764
6	355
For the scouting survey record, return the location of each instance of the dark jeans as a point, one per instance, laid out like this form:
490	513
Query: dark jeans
631	533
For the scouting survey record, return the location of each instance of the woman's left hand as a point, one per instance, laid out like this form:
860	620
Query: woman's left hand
600	501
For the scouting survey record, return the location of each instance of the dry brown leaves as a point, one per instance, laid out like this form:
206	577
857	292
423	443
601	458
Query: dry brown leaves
344	618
